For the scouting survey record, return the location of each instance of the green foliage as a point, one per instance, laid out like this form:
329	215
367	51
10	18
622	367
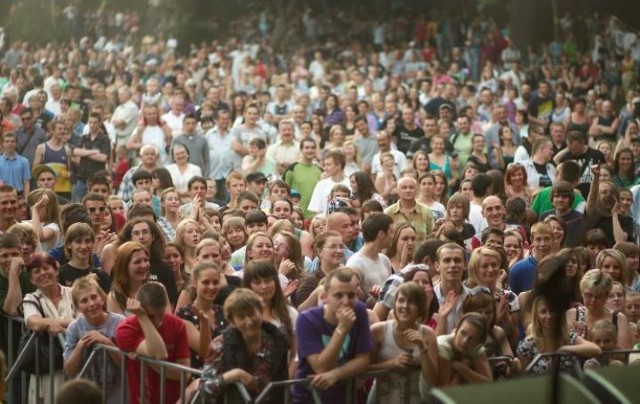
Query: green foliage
32	21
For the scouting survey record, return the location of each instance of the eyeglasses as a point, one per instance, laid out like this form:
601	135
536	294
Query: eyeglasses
280	247
514	164
101	209
479	289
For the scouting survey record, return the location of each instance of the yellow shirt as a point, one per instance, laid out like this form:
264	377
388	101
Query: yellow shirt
420	218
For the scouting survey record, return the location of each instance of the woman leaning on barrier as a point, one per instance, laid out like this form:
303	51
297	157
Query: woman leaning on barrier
253	352
55	302
402	344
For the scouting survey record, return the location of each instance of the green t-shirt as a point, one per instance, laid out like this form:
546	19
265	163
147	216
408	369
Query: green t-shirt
542	201
303	178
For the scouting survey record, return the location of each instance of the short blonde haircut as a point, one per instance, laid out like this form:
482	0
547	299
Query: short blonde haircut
87	283
474	262
242	302
598	280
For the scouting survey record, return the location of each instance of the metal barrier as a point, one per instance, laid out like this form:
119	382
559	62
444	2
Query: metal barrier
15	365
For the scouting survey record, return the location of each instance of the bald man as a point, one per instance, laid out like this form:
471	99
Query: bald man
408	209
494	212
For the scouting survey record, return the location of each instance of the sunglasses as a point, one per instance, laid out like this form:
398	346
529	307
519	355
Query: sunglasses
101	209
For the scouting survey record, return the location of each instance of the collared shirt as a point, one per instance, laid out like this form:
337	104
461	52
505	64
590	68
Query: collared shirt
168	230
284	153
14	170
221	154
126	186
456	313
421	218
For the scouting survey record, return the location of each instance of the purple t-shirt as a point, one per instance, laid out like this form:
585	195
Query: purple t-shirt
314	334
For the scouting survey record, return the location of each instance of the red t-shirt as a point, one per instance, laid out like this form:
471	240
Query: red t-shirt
174	334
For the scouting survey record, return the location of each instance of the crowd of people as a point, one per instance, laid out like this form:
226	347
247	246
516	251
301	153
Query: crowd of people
382	207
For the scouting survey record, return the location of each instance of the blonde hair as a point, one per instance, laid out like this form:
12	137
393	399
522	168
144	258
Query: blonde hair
625	277
357	158
87	283
598	280
474	263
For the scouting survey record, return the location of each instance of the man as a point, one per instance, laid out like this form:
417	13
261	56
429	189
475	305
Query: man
334	340
492	135
97	208
197	187
485	109
494	212
148	163
221	154
407	131
558	137
235	184
94	151
384	146
605	127
213	97
286	150
45	177
256	183
366	143
304	174
8	207
568	171
481	187
562	198
450	292
372	266
523	152
334	164
541	105
56	153
14	169
447	97
29	136
354	241
280	108
407	209
196	144
125	116
430	129
603	211
153	333
175	117
462	141
540	171
579	151
523	273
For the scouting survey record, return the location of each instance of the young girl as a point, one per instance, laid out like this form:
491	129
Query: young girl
605	335
386	181
45	217
203	318
427	185
234	231
78	246
94	325
400	252
174	256
461	355
188	235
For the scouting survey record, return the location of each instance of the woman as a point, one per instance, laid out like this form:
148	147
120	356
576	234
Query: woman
614	263
182	171
188	235
522	123
130	271
252	351
559	232
329	250
515	183
48	309
161	180
507	146
334	115
513	246
461	355
203	318
259	246
174	256
478	155
441	188
427	184
353	160
45	217
497	343
401	343
438	159
400	252
625	169
458	208
595	287
545	338
288	258
94	325
336	139
234	232
632	131
261	277
28	239
579	119
420	163
350	112
210	250
363	189
386	182
170	206
561	113
631	252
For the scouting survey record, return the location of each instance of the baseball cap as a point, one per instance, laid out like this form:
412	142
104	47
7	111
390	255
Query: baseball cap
295	194
39	169
445	106
256	177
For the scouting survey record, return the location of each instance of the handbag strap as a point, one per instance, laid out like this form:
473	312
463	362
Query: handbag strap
38	305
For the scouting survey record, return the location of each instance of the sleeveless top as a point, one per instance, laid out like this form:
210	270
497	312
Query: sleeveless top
605	122
581	318
58	161
582	127
390	389
446	169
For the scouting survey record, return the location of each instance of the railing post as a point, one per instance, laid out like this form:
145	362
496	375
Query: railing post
37	369
52	371
142	379
162	384
104	372
123	376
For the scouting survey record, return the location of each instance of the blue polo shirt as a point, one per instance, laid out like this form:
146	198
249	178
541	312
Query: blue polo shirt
14	170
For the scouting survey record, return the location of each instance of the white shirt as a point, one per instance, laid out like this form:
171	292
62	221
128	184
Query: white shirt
155	135
321	193
401	163
475	217
180	180
174	122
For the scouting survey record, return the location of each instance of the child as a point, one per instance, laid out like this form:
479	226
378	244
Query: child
121	166
632	311
257	159
89	328
604	334
595	241
78	247
617	298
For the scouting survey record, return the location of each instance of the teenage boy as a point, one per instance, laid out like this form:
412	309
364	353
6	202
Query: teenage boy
94	151
197	187
46	178
334	340
255	222
523	272
568	171
450	292
304	175
14	169
236	183
372	266
562	198
334	164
